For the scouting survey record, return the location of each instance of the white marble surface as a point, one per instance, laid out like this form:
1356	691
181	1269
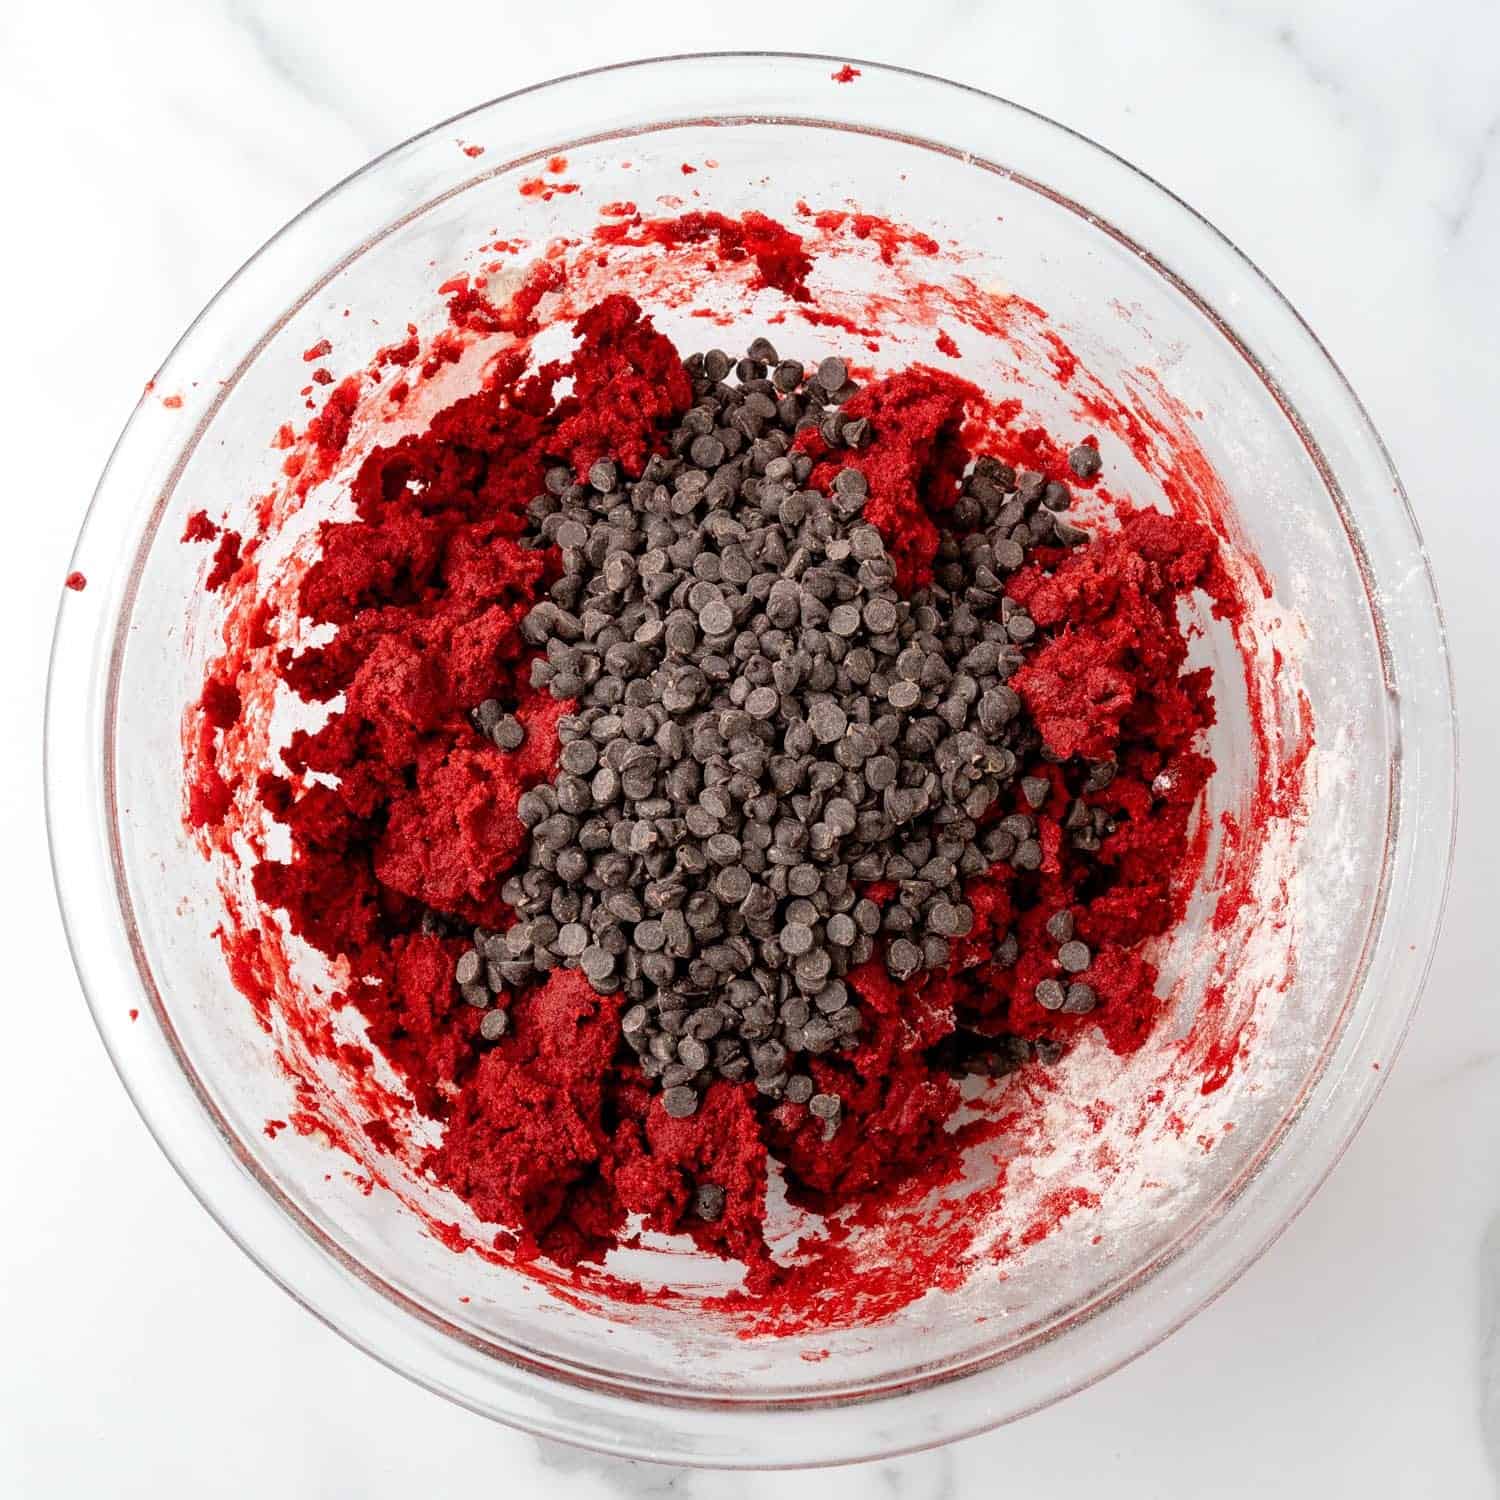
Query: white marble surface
1352	148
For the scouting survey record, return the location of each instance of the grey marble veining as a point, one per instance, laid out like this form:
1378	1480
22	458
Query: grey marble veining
1489	1341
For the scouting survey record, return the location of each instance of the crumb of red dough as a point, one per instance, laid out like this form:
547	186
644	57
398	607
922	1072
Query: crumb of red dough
847	74
226	561
539	187
76	581
209	795
220	702
317	351
1064	361
199	528
781	260
888	236
946	345
471	150
400	354
329	429
135	1015
172	403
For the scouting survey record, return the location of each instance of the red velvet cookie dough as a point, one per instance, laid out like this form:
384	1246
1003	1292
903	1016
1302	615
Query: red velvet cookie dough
397	808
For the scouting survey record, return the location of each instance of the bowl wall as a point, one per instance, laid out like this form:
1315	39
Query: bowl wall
1306	987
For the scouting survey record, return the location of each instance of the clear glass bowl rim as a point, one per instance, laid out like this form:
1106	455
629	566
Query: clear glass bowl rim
924	1411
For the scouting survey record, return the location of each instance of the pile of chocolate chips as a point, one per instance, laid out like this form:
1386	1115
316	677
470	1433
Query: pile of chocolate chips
763	726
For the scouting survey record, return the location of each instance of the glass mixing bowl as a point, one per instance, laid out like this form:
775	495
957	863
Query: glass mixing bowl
1133	278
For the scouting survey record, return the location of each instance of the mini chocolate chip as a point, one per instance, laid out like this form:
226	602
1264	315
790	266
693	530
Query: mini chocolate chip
1050	994
832	373
828	721
1080	999
708	1201
796	938
1074	956
680	1101
597	963
1084	460
903	958
1036	790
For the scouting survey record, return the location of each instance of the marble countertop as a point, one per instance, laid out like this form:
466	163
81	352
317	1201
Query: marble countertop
1352	148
